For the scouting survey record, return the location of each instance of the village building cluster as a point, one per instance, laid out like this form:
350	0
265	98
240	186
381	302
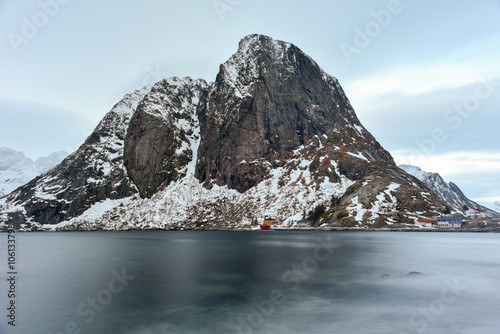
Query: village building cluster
473	218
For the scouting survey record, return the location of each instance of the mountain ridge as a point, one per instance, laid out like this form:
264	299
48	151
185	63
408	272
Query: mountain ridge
273	135
449	192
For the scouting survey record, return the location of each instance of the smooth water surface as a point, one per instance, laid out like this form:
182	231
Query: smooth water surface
255	282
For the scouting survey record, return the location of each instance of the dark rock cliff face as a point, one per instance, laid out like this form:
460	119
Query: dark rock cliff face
163	132
269	99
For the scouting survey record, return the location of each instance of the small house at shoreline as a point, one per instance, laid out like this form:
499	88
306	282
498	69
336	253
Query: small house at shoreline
269	221
424	223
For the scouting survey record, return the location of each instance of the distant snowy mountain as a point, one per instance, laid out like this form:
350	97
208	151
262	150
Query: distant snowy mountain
449	192
16	169
492	205
9	158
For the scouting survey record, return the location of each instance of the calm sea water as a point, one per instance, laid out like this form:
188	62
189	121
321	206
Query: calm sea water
255	282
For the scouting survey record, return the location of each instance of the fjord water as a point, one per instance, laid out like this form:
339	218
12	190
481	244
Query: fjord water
255	282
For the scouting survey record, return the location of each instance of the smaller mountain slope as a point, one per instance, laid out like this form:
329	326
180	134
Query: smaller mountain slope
449	192
385	196
93	173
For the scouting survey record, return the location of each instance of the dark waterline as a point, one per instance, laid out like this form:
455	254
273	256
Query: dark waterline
256	282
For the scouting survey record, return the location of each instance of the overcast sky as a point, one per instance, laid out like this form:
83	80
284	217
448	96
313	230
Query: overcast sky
423	76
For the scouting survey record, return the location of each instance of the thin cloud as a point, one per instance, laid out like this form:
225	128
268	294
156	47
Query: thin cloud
488	199
456	163
421	79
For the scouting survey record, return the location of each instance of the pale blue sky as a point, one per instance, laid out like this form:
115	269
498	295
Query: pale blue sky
58	81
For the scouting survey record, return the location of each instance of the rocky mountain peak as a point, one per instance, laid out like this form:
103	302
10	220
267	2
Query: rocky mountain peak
260	57
272	135
256	49
129	102
270	99
413	170
261	42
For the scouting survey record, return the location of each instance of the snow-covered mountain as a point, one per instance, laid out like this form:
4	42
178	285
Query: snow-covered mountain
449	192
9	158
496	206
16	169
273	135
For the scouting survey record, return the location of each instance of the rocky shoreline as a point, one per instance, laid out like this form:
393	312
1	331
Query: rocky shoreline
332	229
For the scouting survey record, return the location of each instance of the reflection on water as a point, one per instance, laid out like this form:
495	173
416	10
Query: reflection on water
258	282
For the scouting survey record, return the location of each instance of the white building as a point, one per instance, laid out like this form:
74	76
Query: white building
424	223
475	213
